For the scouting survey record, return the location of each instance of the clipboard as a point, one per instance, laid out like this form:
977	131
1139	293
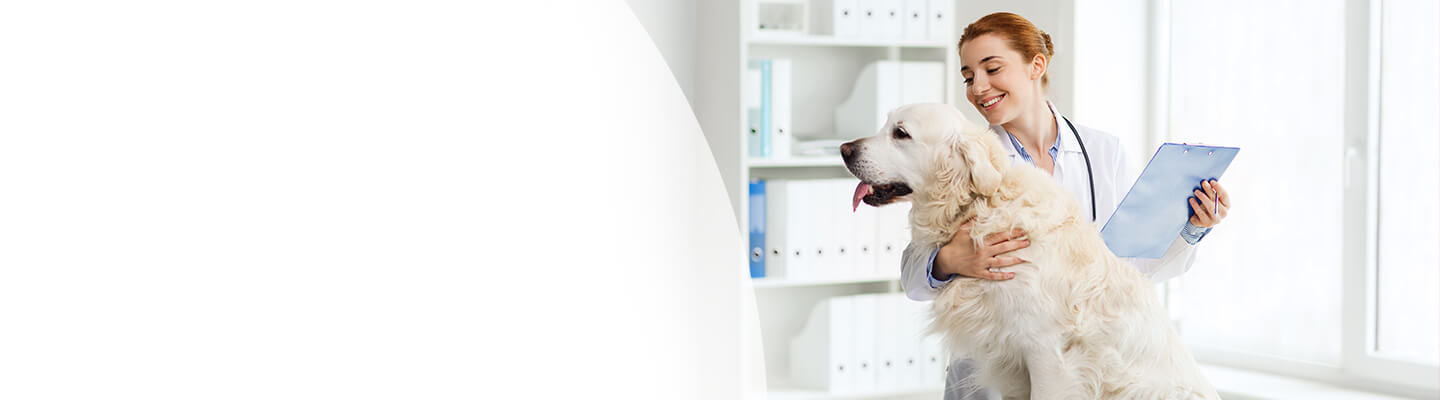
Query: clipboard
1155	210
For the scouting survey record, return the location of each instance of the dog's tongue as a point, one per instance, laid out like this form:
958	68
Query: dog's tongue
860	191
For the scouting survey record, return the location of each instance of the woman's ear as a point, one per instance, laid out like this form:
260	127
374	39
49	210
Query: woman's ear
1038	66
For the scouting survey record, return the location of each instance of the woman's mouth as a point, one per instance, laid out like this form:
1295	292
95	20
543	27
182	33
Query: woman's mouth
991	103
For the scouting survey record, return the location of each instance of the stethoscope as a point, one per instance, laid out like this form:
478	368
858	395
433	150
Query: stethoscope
1088	171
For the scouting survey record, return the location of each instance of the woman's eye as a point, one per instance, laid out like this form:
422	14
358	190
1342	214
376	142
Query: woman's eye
899	134
991	71
967	81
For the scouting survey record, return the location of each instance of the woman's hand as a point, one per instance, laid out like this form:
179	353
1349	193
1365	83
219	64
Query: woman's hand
961	257
1212	204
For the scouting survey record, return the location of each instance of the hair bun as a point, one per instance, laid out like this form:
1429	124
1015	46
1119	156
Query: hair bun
1049	46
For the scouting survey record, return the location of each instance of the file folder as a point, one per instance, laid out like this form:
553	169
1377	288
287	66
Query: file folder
1152	214
757	228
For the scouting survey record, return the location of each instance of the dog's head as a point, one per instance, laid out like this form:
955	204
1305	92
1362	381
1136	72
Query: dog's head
924	148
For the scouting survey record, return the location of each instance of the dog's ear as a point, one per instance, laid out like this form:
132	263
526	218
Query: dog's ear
972	163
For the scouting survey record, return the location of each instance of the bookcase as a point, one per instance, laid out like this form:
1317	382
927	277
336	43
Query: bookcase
825	69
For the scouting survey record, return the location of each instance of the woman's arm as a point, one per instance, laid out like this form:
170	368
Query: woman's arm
915	273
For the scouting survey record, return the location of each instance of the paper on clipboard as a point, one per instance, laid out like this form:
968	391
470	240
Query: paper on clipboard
1152	214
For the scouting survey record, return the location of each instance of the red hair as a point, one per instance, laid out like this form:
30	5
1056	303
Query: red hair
1018	32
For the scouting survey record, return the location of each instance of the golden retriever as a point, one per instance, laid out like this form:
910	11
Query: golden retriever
1076	322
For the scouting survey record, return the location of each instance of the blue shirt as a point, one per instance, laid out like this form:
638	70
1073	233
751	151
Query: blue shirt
1191	233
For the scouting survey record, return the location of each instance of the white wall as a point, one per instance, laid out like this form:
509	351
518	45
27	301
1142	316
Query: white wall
671	25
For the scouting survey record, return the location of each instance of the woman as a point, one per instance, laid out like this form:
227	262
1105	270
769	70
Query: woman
1004	60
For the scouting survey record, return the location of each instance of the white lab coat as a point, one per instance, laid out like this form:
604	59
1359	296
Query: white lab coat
1112	180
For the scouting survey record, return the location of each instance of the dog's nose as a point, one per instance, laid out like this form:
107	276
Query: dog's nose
847	150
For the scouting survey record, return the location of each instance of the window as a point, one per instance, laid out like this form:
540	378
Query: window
1329	266
1409	189
1269	80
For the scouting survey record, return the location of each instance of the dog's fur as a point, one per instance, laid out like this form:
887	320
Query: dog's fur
1076	322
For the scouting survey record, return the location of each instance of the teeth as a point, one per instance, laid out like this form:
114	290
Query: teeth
992	101
872	190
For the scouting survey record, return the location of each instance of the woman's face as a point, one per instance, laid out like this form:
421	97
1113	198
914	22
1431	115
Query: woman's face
998	81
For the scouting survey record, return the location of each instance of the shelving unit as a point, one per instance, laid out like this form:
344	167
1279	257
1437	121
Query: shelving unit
825	70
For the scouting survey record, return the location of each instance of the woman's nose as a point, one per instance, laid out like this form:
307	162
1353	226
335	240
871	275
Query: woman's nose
978	85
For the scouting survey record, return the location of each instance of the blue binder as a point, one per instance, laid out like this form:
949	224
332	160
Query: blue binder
757	228
1155	210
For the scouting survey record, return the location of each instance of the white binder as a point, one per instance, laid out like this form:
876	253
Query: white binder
779	232
854	266
819	231
782	97
888	342
941	24
869	19
865	350
865	233
894	234
914	315
916	20
821	356
802	248
838	18
890	18
932	373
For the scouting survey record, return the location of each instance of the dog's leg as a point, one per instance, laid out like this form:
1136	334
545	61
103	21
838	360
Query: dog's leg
1049	377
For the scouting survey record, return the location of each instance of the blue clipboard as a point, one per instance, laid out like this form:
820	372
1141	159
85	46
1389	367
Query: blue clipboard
1152	214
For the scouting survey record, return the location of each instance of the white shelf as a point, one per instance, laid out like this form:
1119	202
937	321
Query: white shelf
764	283
816	40
796	162
789	393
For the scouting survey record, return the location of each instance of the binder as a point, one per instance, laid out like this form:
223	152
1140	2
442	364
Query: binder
865	349
782	259
842	229
821	355
865	232
757	106
894	234
838	18
824	255
757	228
932	373
869	19
941	24
913	319
781	116
1155	210
916	13
888	342
890	19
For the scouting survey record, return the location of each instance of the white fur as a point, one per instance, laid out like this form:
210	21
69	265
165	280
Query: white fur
1076	322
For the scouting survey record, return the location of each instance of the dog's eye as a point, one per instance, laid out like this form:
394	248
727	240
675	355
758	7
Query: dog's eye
900	134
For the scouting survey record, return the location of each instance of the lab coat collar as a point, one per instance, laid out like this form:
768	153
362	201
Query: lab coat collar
1065	137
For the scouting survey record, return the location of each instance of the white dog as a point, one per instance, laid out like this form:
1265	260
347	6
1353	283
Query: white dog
1075	322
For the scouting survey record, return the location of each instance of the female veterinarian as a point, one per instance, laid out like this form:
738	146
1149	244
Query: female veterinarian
1004	60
